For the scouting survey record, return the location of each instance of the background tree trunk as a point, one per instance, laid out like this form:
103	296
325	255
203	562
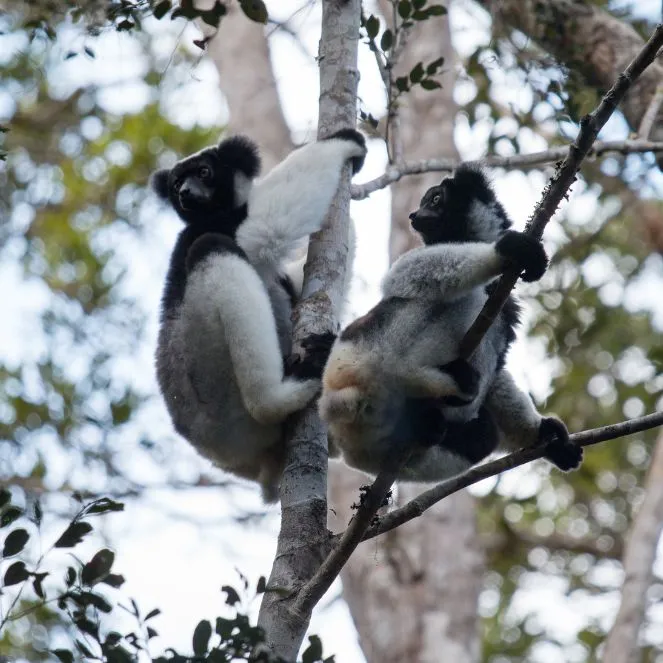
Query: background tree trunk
590	41
413	593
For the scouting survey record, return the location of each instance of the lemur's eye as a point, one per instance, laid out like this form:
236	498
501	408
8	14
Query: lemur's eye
436	199
204	172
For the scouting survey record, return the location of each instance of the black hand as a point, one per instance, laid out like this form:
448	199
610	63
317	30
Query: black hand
316	352
524	252
559	449
467	378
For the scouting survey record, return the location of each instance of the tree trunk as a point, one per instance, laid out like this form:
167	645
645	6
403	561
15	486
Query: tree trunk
240	53
413	593
622	643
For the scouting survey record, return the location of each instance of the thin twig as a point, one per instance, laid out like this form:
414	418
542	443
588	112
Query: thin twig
399	170
649	118
559	185
430	497
371	501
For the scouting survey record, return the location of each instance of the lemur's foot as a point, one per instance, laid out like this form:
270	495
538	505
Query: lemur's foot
559	449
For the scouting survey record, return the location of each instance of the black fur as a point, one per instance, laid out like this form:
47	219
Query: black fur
466	377
524	251
316	348
559	449
208	244
202	187
443	214
354	135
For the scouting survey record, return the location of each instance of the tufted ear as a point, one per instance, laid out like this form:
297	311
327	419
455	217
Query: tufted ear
240	153
159	183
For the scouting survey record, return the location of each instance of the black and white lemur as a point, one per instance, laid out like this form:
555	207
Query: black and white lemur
393	376
225	329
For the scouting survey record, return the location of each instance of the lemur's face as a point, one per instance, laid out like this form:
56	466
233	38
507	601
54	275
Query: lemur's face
462	208
201	187
213	185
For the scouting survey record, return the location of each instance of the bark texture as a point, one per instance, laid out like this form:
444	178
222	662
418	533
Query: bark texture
590	41
413	593
304	539
622	643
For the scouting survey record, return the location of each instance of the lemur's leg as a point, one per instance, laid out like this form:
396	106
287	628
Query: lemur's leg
523	426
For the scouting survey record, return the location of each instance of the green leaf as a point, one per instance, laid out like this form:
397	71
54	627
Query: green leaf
37	586
90	598
15	542
417	73
38	513
63	654
15	573
162	9
404	9
436	10
233	596
372	26
10	515
262	585
418	4
387	40
103	505
430	84
152	613
201	636
98	567
70	576
402	84
313	652
434	66
255	10
224	627
5	493
73	534
113	580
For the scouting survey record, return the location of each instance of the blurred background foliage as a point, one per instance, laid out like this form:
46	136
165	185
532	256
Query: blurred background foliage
80	234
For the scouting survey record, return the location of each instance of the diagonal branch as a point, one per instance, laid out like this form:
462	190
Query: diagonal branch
397	171
430	497
358	530
558	187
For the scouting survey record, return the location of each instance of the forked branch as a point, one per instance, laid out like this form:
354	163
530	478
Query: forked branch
397	171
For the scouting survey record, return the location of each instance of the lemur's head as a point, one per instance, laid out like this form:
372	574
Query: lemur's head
462	208
213	185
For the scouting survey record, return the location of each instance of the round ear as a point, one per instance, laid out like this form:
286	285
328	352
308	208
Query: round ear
240	153
159	183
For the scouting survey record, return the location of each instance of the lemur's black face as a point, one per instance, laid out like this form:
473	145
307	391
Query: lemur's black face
449	211
212	186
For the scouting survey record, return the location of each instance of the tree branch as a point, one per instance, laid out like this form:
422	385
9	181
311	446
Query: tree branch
564	177
416	507
397	171
370	502
622	642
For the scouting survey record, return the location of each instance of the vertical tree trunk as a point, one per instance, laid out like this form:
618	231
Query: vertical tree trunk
622	643
240	53
413	593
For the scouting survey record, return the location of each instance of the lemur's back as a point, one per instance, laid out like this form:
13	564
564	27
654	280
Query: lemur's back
196	376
